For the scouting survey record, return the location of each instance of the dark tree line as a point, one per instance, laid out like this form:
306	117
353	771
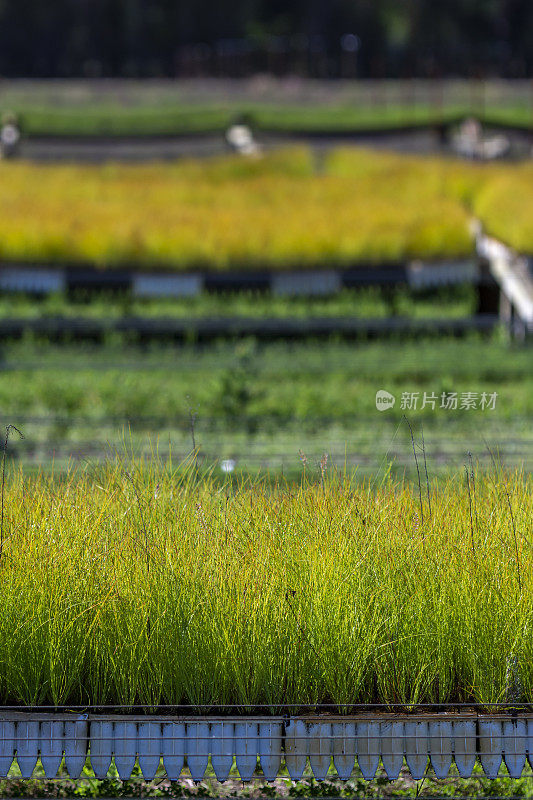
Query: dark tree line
309	37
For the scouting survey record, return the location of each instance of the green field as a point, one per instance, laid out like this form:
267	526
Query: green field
101	120
239	523
262	404
151	585
98	120
281	211
370	302
273	212
152	108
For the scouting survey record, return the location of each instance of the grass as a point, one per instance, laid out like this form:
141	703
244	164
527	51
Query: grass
158	107
277	212
505	205
497	194
449	302
274	212
149	584
299	380
261	405
194	119
101	120
88	786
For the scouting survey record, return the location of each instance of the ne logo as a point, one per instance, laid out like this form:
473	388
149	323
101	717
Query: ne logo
384	400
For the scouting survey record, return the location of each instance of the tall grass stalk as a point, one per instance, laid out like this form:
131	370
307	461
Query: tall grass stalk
417	474
9	428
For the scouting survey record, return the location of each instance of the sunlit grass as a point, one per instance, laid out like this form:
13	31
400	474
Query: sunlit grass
498	194
271	212
274	212
139	583
505	205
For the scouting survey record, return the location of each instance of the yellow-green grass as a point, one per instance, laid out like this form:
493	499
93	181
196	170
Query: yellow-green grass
273	212
147	584
499	195
276	212
505	205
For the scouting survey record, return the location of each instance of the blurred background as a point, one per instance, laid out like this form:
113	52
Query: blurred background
313	39
230	228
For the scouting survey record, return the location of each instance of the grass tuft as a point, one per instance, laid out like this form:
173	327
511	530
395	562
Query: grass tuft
322	592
